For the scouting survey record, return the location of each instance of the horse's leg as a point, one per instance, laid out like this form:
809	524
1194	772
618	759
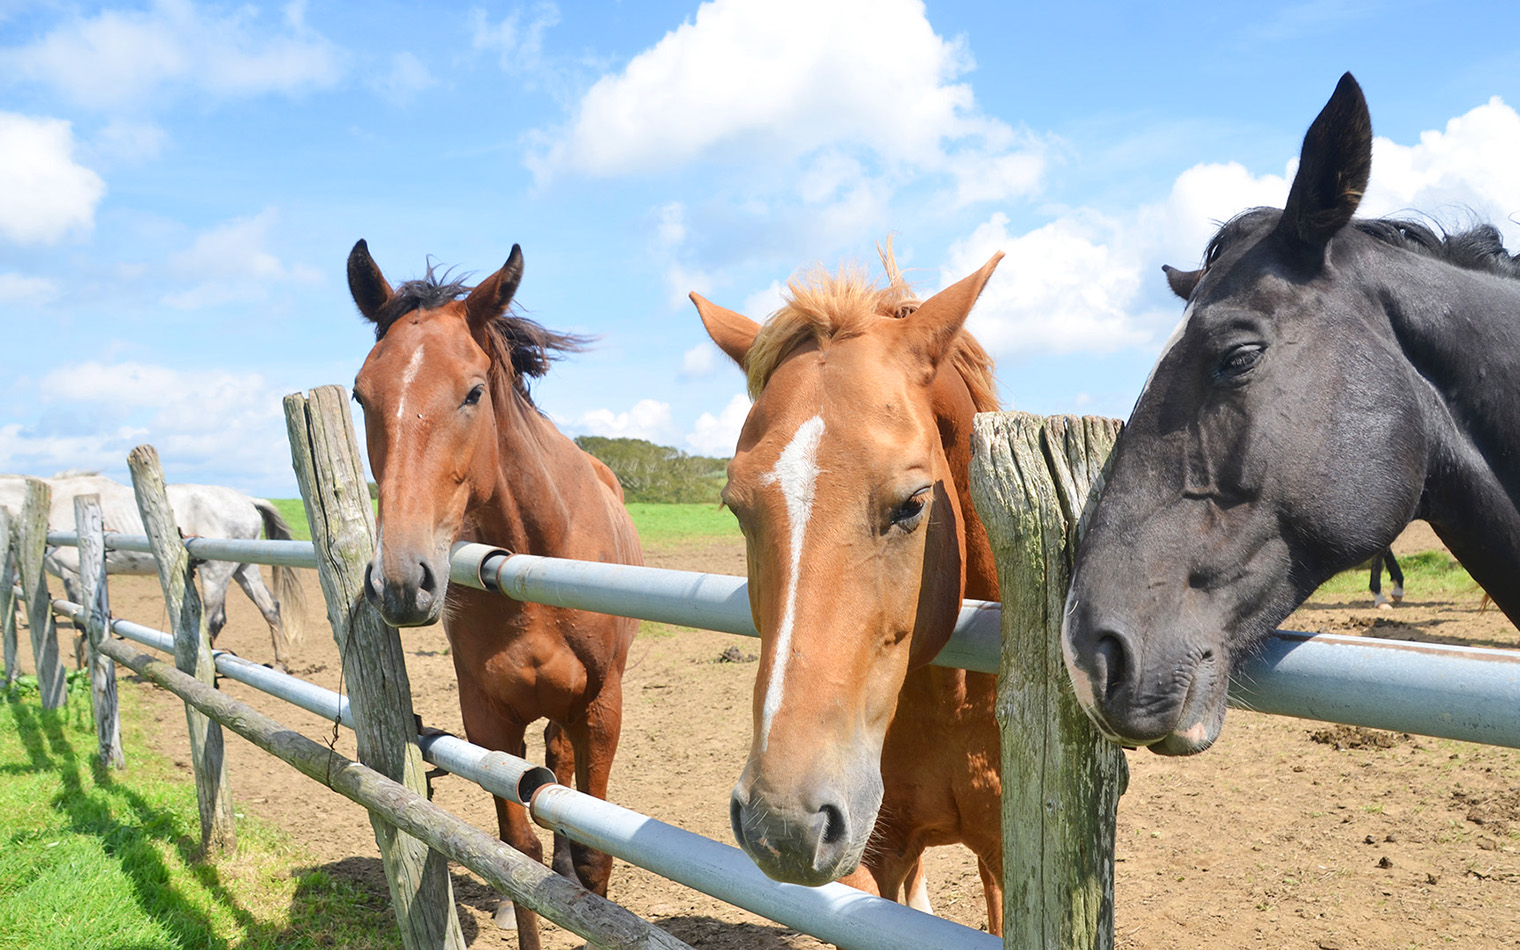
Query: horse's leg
1375	583
215	576
1398	578
559	756
595	740
252	582
992	889
484	728
916	887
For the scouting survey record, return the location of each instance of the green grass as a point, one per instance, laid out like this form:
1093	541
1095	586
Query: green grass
671	524
293	510
1426	574
91	857
658	524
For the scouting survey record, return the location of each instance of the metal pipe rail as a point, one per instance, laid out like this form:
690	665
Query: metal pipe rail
1452	692
834	913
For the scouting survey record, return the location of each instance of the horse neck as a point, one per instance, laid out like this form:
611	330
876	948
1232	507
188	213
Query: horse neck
953	412
1463	341
527	496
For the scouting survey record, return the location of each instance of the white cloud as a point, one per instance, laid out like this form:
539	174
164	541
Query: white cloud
1468	169
519	46
1088	281
1061	287
716	436
133	58
44	193
648	419
206	424
743	84
762	303
21	290
231	262
407	78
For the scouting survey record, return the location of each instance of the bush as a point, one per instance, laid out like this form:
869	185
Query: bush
658	473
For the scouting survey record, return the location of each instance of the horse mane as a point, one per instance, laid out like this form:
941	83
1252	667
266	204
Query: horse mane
825	307
1478	248
525	346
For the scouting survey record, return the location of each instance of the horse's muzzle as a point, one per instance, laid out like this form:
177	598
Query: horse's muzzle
413	599
808	839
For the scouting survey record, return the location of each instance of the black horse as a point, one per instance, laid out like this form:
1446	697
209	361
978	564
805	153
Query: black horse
1375	584
1332	380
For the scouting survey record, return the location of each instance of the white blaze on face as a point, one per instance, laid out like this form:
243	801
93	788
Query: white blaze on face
407	375
796	472
1166	348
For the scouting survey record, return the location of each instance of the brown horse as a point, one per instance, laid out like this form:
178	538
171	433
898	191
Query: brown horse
850	482
460	451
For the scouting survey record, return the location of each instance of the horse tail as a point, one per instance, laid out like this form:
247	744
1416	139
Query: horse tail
287	585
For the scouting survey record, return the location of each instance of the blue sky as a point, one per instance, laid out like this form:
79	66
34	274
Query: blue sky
180	183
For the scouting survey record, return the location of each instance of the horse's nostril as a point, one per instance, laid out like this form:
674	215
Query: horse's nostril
428	582
369	579
736	818
1111	661
834	826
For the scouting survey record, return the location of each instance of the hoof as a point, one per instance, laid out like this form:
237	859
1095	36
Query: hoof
1385	606
1398	595
1379	601
506	916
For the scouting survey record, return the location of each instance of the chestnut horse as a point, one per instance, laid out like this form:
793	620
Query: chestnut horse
850	482
460	451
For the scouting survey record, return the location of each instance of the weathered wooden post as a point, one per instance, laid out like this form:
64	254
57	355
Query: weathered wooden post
1030	479
192	647
90	524
330	471
39	607
8	550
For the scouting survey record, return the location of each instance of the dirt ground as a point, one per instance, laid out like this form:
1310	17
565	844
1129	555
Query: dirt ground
1287	833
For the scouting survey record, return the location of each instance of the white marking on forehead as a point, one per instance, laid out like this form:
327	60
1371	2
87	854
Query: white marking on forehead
407	375
1171	341
796	472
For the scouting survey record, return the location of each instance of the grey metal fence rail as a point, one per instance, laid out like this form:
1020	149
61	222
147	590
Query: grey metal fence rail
1451	692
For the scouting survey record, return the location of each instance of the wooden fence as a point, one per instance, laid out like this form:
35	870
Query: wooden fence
1034	480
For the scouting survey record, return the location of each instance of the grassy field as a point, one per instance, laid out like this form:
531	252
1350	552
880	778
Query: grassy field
1432	573
658	524
91	857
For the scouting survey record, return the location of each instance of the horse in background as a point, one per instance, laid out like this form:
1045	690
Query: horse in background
851	484
207	511
1332	380
460	451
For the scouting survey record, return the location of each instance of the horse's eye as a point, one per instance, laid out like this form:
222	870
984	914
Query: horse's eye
1239	360
911	512
475	394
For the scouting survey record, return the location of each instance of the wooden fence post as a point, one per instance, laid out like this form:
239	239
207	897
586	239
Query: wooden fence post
39	607
1030	480
192	648
330	471
90	524
8	551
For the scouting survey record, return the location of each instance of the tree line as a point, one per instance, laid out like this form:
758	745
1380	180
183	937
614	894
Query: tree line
658	473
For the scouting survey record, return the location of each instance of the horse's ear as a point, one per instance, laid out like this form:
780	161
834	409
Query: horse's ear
491	297
1182	282
932	327
1333	169
366	282
733	332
